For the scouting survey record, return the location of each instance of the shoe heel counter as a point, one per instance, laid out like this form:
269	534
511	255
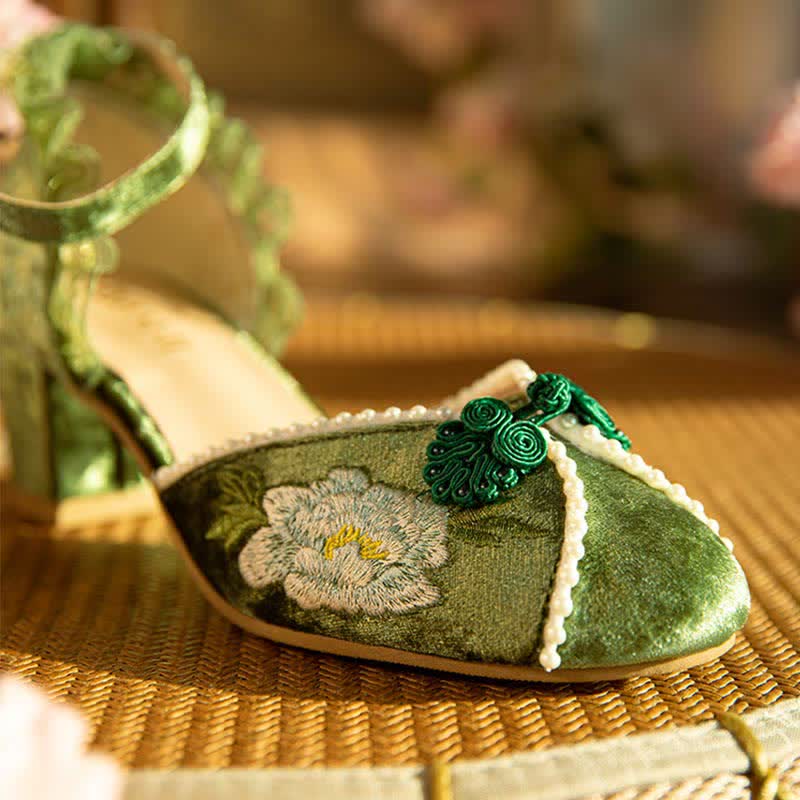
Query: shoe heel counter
58	447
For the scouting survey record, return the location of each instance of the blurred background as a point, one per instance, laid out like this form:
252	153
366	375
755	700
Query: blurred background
626	155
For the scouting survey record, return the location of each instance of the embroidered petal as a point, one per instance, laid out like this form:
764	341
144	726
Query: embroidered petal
266	558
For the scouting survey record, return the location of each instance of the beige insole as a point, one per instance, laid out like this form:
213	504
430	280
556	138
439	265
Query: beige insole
200	380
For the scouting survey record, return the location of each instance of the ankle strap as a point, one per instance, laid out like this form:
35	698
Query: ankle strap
82	51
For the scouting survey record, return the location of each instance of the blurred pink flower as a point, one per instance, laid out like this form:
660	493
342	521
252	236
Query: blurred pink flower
484	113
429	31
775	168
20	19
440	34
11	124
42	750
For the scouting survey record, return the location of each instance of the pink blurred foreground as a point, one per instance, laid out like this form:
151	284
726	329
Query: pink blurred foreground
42	750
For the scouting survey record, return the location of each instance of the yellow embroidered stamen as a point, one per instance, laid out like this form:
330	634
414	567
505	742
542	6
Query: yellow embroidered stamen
369	547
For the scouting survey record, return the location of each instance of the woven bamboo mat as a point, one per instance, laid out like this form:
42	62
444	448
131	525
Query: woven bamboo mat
105	616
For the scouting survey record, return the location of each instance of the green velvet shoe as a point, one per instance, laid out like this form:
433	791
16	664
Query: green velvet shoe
508	533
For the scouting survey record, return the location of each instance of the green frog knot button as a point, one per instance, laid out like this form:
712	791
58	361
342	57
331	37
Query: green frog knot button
476	458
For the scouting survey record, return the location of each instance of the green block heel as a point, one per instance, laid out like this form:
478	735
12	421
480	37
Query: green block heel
510	532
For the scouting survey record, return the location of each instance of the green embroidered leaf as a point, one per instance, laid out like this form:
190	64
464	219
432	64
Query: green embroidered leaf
242	485
234	522
239	510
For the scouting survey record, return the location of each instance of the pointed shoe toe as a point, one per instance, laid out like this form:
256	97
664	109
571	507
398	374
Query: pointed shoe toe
657	584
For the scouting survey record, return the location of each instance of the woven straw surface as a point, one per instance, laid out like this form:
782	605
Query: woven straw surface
104	614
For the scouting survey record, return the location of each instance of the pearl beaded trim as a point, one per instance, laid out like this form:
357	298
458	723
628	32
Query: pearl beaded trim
572	551
591	441
588	439
512	378
367	419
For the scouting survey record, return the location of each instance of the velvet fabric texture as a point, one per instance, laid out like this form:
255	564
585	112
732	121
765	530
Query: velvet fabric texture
655	582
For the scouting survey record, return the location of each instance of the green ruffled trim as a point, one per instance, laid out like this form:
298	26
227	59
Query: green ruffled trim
64	170
41	73
45	67
235	157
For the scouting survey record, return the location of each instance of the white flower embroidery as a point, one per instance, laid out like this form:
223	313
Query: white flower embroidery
348	545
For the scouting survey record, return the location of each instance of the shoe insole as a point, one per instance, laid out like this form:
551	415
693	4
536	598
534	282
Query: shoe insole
199	379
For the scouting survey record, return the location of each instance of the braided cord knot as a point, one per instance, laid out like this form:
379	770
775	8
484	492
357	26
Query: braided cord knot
764	780
474	459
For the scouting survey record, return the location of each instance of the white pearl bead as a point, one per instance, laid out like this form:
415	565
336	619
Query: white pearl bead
568	421
554	632
714	525
392	411
575	549
549	659
568	469
576	502
696	507
558	450
573	485
561	603
592	433
575	524
569	574
637	463
728	543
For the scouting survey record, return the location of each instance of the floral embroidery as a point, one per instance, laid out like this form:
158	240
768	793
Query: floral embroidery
349	545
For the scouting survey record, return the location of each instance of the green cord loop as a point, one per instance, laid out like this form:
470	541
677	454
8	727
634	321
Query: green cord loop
764	780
